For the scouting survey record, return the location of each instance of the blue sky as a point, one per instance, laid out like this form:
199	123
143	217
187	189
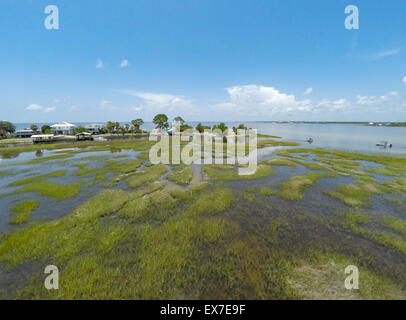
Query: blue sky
206	60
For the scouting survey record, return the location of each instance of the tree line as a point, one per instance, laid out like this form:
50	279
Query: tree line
161	121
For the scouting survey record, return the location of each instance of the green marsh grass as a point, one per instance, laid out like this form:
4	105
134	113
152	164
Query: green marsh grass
181	174
396	225
310	165
279	162
82	169
358	194
146	175
53	174
21	213
293	188
54	190
267	191
227	172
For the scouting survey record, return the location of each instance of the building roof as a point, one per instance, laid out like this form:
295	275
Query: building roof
42	136
94	125
23	130
83	134
63	124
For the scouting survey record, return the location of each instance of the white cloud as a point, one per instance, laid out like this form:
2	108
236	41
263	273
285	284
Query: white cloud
404	80
308	91
50	109
99	64
104	103
383	54
56	101
124	63
258	102
160	101
107	105
34	107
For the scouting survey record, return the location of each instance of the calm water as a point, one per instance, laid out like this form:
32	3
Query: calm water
347	137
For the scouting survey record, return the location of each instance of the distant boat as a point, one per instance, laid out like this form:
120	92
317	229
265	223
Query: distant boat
310	140
383	144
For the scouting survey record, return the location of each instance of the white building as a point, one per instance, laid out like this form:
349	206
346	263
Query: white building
94	128
63	128
26	133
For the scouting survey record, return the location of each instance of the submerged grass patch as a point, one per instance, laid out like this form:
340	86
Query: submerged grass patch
182	174
267	191
279	162
53	174
146	175
293	188
358	193
394	162
228	172
310	165
21	213
396	225
54	190
124	167
41	160
83	170
355	219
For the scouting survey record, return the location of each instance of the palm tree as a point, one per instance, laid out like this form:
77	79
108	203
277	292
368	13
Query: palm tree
110	126
137	123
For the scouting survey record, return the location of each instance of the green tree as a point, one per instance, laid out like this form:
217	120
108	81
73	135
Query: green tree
201	127
137	123
80	129
184	127
34	127
242	127
161	121
7	126
117	127
122	130
46	129
180	120
220	126
110	126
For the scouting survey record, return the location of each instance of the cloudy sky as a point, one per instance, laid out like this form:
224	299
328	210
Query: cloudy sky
206	60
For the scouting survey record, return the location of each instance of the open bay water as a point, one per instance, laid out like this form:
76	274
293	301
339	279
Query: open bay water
359	138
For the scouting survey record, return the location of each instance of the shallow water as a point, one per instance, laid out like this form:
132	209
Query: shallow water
48	208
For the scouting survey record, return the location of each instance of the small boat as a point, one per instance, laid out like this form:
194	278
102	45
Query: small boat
310	140
383	144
